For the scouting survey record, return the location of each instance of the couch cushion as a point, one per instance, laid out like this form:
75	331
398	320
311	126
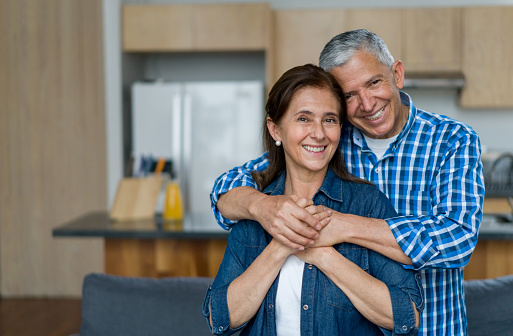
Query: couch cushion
489	305
113	305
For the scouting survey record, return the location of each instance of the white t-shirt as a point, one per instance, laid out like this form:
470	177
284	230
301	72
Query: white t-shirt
379	146
288	297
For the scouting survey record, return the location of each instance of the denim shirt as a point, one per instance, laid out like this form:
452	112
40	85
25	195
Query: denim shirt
325	309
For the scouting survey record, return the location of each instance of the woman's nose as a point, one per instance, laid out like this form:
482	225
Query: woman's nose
318	131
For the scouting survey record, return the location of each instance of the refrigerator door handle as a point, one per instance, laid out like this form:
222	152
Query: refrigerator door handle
177	133
187	147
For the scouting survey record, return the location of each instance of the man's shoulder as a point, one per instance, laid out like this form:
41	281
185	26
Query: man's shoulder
443	123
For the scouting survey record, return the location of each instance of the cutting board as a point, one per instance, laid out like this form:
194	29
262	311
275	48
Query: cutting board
136	198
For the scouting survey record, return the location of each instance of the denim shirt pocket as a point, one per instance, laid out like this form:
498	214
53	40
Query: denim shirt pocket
334	295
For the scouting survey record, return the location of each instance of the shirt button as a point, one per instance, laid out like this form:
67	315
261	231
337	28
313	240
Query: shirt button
220	328
376	170
270	306
418	276
310	266
405	328
305	307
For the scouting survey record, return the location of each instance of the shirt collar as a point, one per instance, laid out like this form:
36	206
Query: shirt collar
358	138
331	186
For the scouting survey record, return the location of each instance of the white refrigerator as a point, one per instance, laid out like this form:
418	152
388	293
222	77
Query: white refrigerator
205	128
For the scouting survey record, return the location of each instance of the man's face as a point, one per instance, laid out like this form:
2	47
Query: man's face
372	94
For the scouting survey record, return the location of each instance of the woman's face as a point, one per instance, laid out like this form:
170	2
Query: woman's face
309	130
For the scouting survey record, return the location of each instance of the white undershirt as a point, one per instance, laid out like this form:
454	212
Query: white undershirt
379	146
288	297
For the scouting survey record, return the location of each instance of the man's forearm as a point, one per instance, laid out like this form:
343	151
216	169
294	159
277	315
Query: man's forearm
235	204
372	233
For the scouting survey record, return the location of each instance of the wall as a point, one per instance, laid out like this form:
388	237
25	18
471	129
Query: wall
52	143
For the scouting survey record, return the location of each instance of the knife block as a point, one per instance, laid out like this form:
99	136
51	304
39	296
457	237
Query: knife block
136	198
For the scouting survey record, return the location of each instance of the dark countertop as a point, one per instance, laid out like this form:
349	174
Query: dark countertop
98	224
203	226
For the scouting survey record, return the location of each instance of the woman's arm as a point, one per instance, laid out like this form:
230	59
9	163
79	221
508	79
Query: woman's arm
370	296
247	292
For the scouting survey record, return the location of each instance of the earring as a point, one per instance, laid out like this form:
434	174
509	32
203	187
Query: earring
278	143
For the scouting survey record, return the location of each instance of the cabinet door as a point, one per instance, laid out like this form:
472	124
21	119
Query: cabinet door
432	39
387	23
157	28
231	27
300	36
487	60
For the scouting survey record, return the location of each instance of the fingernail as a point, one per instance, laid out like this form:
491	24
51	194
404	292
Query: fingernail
312	242
318	226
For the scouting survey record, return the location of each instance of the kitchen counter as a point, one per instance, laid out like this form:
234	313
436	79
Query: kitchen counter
98	224
195	246
153	248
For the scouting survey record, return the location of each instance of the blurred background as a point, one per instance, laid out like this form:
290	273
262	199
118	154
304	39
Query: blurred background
67	70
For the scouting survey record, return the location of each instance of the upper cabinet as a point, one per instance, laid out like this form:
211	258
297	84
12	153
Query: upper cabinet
230	27
300	36
431	39
424	39
487	57
476	41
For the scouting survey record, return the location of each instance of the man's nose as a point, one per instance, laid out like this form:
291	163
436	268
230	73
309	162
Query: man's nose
366	100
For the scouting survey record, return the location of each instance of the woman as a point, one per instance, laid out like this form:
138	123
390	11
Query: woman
333	288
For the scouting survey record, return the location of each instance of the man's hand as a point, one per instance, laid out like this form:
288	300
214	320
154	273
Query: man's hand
292	220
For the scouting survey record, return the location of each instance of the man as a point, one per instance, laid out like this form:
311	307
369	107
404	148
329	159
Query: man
428	165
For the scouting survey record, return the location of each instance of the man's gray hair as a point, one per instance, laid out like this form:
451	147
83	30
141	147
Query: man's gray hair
343	46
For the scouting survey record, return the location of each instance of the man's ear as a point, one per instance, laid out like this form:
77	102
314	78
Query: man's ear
274	129
398	72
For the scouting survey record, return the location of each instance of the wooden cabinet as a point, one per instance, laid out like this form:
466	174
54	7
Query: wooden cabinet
431	39
158	28
231	27
387	23
300	36
487	60
424	39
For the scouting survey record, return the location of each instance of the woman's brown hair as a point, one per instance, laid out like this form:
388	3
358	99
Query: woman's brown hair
279	99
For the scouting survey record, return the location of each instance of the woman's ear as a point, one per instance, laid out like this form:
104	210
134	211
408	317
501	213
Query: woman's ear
274	129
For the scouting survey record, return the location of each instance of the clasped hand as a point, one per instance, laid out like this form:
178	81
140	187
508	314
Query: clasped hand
296	222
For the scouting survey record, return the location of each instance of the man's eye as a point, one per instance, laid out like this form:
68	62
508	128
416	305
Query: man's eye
302	119
348	95
375	82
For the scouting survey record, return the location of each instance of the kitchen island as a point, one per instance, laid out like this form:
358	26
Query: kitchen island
195	246
154	248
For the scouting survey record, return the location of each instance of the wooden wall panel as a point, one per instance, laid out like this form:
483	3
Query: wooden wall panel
52	142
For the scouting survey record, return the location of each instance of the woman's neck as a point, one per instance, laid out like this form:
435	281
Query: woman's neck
303	184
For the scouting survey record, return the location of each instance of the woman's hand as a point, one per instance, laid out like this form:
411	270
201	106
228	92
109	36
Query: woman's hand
315	255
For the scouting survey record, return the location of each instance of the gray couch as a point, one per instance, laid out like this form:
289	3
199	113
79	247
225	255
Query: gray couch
127	306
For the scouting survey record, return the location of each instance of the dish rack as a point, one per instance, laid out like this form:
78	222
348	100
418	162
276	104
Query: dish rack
498	176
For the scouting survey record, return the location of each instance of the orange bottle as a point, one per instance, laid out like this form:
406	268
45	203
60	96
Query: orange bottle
173	208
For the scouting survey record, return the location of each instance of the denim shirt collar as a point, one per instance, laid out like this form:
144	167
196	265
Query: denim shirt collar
358	138
331	186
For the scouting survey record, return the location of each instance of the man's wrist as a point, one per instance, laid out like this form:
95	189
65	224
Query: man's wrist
254	205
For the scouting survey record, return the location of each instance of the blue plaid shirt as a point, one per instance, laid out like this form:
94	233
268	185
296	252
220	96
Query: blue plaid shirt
432	173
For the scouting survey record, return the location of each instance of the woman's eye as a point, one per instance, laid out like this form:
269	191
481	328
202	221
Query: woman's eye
348	95
302	119
375	82
332	121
